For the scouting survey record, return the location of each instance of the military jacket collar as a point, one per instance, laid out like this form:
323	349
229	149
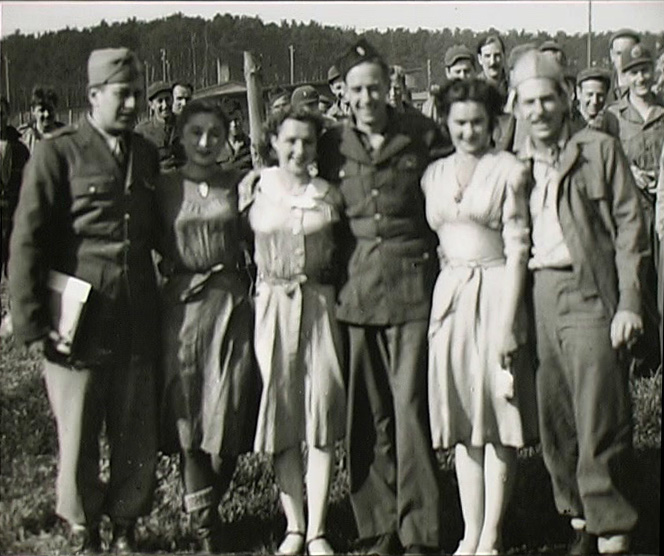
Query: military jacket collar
627	111
352	146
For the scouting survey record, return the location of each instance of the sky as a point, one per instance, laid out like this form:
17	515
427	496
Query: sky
550	16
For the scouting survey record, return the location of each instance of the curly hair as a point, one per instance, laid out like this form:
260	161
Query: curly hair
472	90
202	106
274	122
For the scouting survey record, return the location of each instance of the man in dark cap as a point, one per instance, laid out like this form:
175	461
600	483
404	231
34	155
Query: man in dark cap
160	128
459	62
621	41
305	96
340	109
640	119
236	153
278	100
87	210
376	159
592	88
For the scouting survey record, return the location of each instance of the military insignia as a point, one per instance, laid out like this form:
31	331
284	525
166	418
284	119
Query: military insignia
360	50
636	51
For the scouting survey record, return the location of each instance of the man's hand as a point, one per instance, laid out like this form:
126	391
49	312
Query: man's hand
506	348
626	327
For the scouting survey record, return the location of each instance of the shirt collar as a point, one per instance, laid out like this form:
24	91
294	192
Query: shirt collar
110	140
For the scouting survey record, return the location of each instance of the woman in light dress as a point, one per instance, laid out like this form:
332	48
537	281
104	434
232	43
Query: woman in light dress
297	341
209	396
481	396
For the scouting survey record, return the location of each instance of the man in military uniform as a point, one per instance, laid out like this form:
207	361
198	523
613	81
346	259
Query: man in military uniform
160	128
376	159
589	254
86	209
621	41
592	89
491	58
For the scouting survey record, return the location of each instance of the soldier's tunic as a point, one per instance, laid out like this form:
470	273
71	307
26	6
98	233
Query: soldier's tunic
390	267
162	135
84	214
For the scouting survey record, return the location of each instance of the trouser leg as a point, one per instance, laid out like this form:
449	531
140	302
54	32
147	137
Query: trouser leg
132	431
554	395
603	419
74	395
371	434
417	486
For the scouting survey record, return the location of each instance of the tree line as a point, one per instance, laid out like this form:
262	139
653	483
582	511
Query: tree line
193	48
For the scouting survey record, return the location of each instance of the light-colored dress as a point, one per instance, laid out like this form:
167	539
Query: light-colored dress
209	395
297	339
479	228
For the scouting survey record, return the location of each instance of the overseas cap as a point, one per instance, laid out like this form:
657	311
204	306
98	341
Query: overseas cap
305	95
113	65
158	87
332	74
456	53
534	64
361	51
635	56
597	74
631	33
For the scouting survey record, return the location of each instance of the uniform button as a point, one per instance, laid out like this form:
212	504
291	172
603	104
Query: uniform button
378	216
374	192
342	174
379	239
92	189
127	217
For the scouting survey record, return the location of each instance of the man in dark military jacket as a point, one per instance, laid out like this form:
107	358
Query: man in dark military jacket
376	158
160	128
86	209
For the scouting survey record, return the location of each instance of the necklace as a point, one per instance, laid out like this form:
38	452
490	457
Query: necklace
462	184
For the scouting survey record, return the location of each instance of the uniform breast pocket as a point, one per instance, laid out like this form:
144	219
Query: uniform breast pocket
414	283
94	203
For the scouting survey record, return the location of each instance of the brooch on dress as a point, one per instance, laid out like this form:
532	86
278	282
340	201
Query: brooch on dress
203	189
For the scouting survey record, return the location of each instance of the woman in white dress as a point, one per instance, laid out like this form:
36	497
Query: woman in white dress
297	341
481	396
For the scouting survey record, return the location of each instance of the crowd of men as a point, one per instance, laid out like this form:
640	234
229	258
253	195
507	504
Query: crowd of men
386	304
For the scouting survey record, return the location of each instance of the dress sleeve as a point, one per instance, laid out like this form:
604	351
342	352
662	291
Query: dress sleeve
515	216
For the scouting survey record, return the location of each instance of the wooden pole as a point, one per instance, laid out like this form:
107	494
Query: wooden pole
252	77
590	33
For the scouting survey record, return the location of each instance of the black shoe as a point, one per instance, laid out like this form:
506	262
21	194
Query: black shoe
85	540
386	545
124	541
583	543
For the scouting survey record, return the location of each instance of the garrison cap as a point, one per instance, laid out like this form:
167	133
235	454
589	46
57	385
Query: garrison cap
361	51
635	56
534	64
456	53
304	96
332	74
113	65
158	87
625	33
596	74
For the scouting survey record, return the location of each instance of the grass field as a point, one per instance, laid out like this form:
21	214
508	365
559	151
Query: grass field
254	522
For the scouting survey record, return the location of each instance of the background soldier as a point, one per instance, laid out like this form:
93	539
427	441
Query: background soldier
86	210
182	93
42	117
160	128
